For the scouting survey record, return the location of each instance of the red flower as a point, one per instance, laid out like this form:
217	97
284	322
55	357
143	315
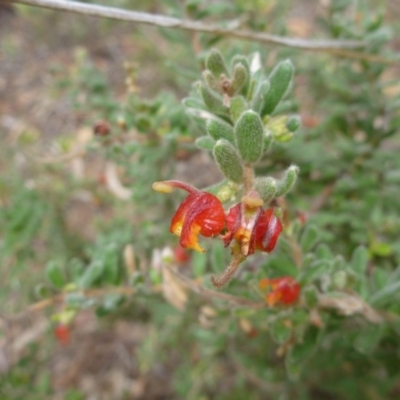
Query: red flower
285	290
181	255
62	334
200	213
253	227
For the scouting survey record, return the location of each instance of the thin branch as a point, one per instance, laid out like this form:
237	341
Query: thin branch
213	294
349	304
194	26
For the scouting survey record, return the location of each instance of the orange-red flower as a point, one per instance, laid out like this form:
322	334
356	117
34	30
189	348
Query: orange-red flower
199	213
285	290
62	334
253	227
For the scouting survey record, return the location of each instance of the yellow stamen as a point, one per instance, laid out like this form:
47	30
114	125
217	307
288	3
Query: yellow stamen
252	201
162	187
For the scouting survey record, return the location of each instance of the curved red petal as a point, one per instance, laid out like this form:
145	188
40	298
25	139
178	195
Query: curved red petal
285	291
290	290
233	221
198	214
267	231
180	215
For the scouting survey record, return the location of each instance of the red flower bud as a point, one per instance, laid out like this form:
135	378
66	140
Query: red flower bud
200	213
285	290
252	226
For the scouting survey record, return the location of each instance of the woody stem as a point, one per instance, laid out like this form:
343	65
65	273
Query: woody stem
225	277
248	178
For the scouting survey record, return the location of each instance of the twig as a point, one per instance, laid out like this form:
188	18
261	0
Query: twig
213	294
60	298
348	304
194	26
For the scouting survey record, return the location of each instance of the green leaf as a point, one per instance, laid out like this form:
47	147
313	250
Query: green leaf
199	263
218	257
280	331
239	77
216	64
284	185
386	294
55	274
267	140
308	238
359	260
211	80
43	291
242	60
301	352
228	161
259	95
111	264
78	300
213	101
280	80
293	123
205	143
110	304
249	132
368	338
237	107
310	296
75	269
316	270
266	188
219	129
92	273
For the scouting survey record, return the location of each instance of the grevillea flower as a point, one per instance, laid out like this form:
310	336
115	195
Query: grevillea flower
285	290
253	227
62	334
199	213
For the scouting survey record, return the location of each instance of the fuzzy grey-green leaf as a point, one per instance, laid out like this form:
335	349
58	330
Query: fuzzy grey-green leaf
293	123
205	143
242	60
266	188
216	64
279	79
228	161
219	129
55	274
239	77
237	107
211	80
249	132
285	184
212	100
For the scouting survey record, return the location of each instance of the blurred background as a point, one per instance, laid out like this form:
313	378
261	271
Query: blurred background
90	116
